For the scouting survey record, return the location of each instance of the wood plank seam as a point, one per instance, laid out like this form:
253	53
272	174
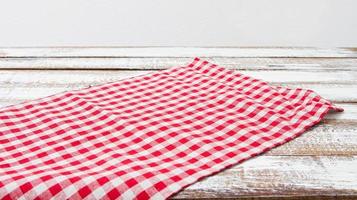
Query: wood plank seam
318	165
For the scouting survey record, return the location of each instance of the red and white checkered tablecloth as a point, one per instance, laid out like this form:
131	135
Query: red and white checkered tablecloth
149	136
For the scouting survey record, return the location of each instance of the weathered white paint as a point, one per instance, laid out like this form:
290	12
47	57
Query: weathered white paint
23	85
18	92
254	63
94	52
326	138
350	112
320	162
58	77
281	176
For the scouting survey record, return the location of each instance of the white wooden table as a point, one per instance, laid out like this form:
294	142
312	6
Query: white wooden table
321	164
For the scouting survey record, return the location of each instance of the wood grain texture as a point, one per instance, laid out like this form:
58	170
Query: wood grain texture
335	93
276	176
243	52
330	138
23	85
320	164
102	76
257	63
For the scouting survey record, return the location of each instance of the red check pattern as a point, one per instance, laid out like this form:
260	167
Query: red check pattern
146	137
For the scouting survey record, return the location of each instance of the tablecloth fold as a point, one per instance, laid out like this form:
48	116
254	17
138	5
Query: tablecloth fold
149	136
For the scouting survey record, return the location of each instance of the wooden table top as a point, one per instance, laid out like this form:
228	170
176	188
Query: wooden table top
321	164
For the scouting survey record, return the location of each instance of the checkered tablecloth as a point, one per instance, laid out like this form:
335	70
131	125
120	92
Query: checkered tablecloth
148	136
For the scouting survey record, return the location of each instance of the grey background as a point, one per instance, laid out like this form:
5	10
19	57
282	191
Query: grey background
323	23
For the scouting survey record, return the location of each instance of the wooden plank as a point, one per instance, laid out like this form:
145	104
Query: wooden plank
280	176
306	64
242	52
319	163
92	77
336	93
330	138
349	113
22	86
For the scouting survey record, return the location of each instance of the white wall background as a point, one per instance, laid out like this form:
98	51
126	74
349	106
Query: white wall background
178	23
